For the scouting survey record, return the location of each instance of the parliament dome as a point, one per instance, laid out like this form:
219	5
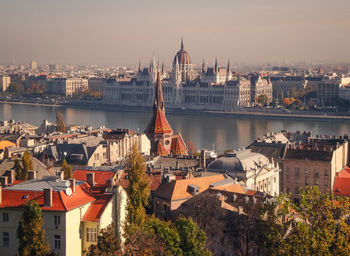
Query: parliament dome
182	56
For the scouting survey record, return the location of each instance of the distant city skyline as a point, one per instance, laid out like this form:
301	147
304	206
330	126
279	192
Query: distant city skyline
122	33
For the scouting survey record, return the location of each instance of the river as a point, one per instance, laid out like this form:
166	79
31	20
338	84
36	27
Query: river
205	131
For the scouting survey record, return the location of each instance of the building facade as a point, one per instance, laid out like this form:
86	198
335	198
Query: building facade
67	86
4	83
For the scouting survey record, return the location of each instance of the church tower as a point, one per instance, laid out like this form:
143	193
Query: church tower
159	131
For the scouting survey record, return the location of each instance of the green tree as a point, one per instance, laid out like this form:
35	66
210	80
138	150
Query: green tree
27	164
66	169
192	239
167	233
138	189
60	124
262	99
15	88
316	225
30	231
107	243
18	169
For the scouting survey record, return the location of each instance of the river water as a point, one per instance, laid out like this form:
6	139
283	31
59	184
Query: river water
205	131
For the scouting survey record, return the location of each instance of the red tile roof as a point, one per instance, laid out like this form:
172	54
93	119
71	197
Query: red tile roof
342	183
96	208
162	126
100	176
60	201
178	146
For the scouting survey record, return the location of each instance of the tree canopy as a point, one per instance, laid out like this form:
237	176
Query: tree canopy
60	124
67	170
21	170
316	225
30	231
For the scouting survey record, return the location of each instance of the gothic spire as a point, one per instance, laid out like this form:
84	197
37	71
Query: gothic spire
182	43
158	99
216	65
203	67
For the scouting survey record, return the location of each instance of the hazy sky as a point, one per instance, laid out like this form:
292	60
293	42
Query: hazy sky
124	31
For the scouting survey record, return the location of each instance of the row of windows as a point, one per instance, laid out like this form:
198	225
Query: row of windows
307	180
307	171
6	240
6	218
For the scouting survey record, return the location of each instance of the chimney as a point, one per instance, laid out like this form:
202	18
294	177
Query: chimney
31	175
109	182
72	185
60	175
240	210
90	178
10	176
48	197
3	181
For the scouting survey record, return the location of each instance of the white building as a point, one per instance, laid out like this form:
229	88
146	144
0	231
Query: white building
67	86
73	212
4	83
254	169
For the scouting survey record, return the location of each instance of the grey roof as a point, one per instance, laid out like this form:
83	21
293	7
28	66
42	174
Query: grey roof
38	166
53	182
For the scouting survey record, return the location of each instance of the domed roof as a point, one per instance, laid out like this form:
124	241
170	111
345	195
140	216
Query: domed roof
182	56
238	162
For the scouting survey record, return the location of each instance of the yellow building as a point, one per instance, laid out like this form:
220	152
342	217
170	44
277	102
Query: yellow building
74	212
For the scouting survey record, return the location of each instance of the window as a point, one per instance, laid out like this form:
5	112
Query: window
315	172
306	171
57	242
91	234
57	220
306	180
316	180
326	181
97	156
296	179
104	155
6	239
325	172
274	180
297	170
5	217
287	179
287	169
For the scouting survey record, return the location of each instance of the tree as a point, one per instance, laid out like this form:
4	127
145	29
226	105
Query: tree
138	189
262	99
30	231
107	243
18	169
27	164
191	147
192	239
66	169
15	88
60	125
316	225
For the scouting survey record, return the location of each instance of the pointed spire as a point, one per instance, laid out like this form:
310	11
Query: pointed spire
203	67
158	99
162	67
139	66
182	44
228	67
216	65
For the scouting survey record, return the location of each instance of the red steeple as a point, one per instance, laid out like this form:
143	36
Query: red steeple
159	131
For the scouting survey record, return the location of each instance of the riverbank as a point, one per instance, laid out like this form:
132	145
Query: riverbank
324	116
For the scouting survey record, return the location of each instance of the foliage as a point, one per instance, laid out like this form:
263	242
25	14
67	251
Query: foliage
18	169
314	226
15	88
191	147
66	169
107	243
30	231
262	99
138	189
192	239
167	233
60	124
22	170
35	88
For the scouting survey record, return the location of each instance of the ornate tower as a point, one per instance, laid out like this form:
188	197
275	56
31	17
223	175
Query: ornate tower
159	131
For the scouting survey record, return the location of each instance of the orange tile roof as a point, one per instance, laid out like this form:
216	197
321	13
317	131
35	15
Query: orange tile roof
100	176
344	173
96	208
178	146
235	188
60	201
161	123
155	181
341	186
177	190
161	150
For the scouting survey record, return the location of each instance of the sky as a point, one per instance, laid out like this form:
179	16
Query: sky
117	32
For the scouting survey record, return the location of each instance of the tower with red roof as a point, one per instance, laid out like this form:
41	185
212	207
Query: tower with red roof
159	131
